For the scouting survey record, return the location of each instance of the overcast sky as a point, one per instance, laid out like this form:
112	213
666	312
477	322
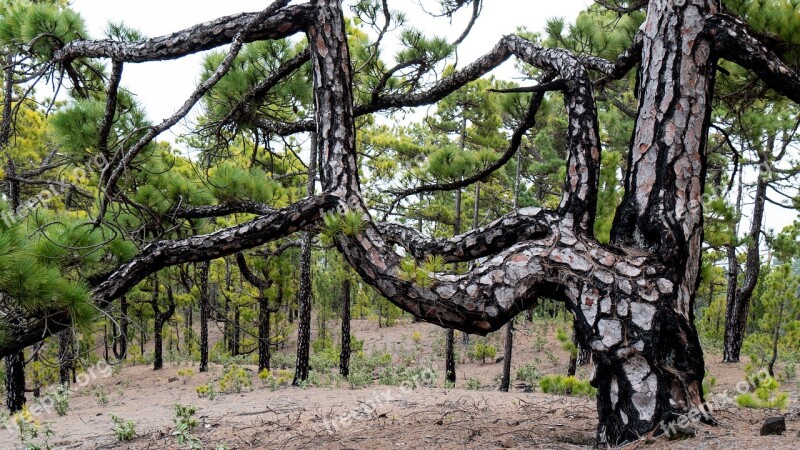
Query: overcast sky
163	86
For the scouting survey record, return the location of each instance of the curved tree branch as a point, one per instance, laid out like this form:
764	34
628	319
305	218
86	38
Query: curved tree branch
161	254
205	36
734	41
514	227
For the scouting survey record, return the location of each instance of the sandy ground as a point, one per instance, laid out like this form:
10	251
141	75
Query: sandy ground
385	416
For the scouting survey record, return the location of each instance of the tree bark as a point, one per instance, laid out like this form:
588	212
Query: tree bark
508	347
572	367
66	356
205	306
264	317
120	343
160	318
344	356
304	293
637	314
15	381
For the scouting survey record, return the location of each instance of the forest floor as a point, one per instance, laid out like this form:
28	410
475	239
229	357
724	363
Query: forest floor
381	416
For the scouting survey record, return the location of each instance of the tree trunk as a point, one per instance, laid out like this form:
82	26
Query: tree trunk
120	344
304	293
776	336
236	330
344	357
508	346
66	356
572	368
449	350
450	357
37	383
158	356
738	298
188	331
264	318
15	381
160	318
584	355
205	304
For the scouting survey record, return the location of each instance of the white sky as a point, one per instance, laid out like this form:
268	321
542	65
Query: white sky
163	86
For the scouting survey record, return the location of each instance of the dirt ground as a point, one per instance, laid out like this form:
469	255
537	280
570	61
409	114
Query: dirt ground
386	416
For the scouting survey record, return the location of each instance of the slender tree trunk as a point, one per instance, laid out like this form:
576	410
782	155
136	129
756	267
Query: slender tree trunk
142	336
508	346
15	381
105	341
738	298
344	357
188	331
158	355
236	330
120	344
450	357
449	351
37	383
304	293
66	357
775	339
160	318
572	368
264	318
204	315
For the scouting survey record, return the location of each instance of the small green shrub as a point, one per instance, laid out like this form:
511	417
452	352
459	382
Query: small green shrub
60	399
709	383
529	374
101	394
186	374
765	395
481	351
561	385
124	430
473	384
32	434
359	379
185	422
235	378
207	390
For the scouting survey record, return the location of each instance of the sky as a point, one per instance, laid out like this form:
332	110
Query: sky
163	86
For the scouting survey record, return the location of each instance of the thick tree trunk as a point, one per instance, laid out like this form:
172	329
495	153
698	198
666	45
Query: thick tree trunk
205	306
15	381
344	357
